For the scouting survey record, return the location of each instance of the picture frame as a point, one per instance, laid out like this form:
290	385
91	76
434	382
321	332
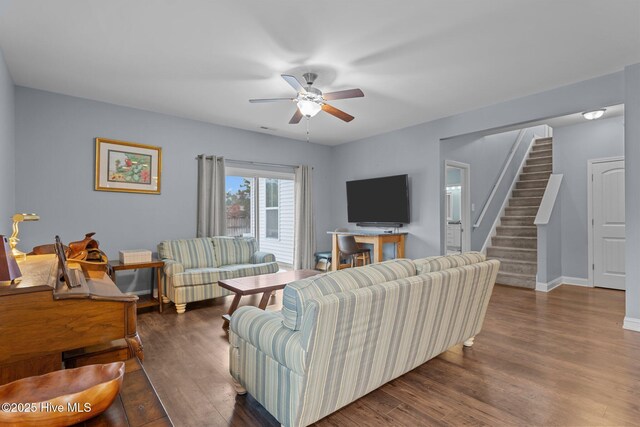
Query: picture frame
127	167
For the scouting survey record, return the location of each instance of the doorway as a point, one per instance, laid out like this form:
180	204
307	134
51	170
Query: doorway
457	230
607	217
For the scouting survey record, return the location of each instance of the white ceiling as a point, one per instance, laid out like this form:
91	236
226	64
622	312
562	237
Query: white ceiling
415	60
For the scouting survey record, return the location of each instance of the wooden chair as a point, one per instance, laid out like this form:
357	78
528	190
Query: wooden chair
348	247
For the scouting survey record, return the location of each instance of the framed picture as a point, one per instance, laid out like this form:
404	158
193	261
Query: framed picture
127	167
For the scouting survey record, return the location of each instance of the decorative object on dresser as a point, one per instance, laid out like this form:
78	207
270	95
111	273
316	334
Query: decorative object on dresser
61	398
353	330
127	167
13	240
193	267
42	317
9	270
133	256
154	264
264	284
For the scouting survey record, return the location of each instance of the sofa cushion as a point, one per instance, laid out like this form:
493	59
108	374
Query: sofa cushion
234	250
296	294
244	270
200	276
437	263
191	253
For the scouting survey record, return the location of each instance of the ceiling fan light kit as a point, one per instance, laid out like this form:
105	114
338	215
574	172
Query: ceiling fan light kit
310	101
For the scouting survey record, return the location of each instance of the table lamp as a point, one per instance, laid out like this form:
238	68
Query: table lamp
13	240
9	270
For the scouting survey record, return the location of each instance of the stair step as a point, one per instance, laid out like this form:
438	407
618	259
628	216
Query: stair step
514	279
521	254
533	183
528	192
515	242
517	220
525	201
539	160
547	167
519	267
540	153
534	176
517	230
544	140
521	211
539	146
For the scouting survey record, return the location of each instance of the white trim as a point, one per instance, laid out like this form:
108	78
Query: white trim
576	281
547	287
631	324
496	222
562	280
548	199
465	202
590	164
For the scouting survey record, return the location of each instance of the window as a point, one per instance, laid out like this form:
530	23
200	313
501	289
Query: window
240	206
272	209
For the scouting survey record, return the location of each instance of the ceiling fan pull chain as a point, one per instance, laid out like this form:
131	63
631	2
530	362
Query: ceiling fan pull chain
307	128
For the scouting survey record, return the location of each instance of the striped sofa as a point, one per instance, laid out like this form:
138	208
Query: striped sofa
341	335
192	267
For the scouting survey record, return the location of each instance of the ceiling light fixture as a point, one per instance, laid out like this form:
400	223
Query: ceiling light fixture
308	108
592	115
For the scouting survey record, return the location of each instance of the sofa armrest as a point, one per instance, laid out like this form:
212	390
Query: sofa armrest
262	257
172	267
264	330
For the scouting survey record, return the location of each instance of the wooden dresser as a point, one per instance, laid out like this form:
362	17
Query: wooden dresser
41	318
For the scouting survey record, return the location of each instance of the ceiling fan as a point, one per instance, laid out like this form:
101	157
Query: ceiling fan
311	100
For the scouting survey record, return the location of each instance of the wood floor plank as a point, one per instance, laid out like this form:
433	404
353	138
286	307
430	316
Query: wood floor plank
557	358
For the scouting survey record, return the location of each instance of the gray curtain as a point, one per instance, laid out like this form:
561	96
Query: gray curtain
305	238
212	212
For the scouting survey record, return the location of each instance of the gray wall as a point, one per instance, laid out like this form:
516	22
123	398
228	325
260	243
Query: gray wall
632	183
416	151
486	156
7	149
55	172
573	146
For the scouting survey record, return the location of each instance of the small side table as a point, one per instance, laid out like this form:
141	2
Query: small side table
158	265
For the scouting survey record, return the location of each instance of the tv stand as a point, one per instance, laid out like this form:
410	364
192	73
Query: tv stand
377	239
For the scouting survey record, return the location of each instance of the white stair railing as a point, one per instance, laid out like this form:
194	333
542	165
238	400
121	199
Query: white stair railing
512	153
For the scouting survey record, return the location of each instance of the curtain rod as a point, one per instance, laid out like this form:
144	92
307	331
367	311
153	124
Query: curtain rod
246	162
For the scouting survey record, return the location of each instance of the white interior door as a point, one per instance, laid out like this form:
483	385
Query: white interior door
608	224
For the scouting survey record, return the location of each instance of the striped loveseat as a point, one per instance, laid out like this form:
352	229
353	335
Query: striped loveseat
343	334
192	267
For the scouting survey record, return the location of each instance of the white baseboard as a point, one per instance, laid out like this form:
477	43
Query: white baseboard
631	324
562	280
547	287
576	281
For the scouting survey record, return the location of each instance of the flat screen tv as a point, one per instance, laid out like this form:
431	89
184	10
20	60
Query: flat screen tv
383	201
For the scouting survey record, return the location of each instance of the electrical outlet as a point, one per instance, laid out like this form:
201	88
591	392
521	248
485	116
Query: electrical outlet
473	207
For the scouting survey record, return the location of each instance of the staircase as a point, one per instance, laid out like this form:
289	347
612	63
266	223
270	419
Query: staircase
515	243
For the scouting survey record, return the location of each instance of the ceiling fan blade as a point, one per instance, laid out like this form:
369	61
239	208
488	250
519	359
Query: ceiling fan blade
297	116
256	101
343	94
294	83
338	113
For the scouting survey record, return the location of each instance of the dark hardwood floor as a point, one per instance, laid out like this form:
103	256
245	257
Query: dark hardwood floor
560	358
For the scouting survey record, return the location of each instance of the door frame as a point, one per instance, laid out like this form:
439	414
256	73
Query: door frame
465	208
590	164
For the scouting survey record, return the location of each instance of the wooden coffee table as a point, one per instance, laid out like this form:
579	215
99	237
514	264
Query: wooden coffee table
264	283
